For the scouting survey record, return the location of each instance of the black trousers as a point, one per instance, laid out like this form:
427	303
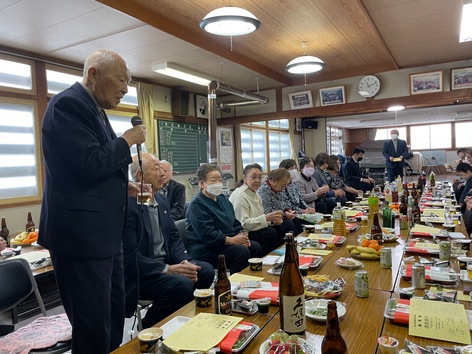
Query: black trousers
236	256
267	238
93	295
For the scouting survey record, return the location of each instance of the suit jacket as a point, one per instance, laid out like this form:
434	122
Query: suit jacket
176	198
352	172
138	246
86	167
389	151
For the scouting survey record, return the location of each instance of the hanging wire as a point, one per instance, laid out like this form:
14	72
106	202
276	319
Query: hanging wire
257	84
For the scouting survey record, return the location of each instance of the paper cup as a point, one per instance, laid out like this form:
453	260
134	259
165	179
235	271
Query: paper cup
255	264
148	339
388	345
326	217
203	297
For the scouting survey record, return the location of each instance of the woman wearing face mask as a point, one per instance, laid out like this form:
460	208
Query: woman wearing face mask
335	181
312	194
212	228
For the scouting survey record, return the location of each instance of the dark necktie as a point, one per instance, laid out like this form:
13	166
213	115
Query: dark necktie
103	120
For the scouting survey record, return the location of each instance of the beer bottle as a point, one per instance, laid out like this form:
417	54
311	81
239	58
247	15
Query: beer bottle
416	213
222	289
432	179
29	223
333	342
291	292
403	206
376	230
387	216
4	232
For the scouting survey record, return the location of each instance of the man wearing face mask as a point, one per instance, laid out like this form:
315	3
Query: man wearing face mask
352	172
395	152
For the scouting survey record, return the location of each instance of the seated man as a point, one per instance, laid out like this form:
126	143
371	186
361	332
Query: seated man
174	191
464	170
157	266
352	172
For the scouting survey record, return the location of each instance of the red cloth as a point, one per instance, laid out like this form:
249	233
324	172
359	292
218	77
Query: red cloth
42	333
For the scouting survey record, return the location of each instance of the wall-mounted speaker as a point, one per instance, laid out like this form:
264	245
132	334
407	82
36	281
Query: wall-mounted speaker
309	124
180	102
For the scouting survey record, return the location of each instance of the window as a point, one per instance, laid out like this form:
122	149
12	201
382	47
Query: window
434	136
334	140
384	133
463	136
19	177
16	75
254	147
121	122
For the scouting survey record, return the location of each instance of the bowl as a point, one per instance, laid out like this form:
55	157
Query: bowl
148	339
203	297
255	264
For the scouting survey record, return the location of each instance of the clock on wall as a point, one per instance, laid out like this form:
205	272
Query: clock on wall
368	86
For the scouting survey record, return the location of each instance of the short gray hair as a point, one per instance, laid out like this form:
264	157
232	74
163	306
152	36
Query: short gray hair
167	162
134	168
101	59
205	169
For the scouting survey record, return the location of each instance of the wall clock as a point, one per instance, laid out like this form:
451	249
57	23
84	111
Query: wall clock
368	86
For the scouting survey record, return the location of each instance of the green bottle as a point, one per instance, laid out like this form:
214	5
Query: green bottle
387	216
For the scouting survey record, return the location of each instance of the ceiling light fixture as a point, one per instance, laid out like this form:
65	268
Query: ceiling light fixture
305	64
466	22
395	108
181	73
230	21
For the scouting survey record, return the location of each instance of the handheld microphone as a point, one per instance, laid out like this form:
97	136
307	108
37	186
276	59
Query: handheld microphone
136	120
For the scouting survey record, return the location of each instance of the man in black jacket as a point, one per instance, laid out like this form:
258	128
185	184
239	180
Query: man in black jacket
174	191
353	175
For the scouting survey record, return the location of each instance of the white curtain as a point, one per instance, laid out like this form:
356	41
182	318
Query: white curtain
291	135
146	110
371	133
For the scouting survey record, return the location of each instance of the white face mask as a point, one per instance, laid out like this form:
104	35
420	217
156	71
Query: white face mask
308	171
214	189
293	173
394	136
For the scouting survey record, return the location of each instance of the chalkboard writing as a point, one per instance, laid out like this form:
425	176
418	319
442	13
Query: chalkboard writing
184	145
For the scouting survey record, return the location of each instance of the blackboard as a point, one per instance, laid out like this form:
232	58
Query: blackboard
184	145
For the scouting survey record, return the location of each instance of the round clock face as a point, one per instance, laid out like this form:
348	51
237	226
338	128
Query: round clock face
368	86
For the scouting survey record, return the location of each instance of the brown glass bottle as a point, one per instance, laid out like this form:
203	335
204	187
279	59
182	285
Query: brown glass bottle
333	342
4	232
416	213
403	206
406	192
222	289
291	292
29	223
376	230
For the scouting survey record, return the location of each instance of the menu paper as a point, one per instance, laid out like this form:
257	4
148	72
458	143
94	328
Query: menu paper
238	278
424	229
439	320
315	251
427	245
202	332
322	237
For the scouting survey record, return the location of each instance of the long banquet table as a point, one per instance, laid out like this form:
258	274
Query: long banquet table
364	321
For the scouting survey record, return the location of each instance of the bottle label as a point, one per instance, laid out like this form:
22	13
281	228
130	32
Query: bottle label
224	303
294	313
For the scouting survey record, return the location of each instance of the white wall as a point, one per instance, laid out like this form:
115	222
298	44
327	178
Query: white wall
16	217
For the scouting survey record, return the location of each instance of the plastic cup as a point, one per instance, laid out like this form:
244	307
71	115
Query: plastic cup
203	297
255	264
148	339
388	345
263	305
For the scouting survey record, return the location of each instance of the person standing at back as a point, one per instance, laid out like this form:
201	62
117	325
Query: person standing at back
395	152
174	192
85	199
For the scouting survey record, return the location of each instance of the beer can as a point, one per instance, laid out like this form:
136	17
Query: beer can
403	222
444	250
386	257
361	283
418	276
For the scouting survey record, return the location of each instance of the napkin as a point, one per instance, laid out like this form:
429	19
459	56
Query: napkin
314	251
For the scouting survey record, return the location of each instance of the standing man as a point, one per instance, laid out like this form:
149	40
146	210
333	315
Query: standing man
85	199
157	266
174	191
353	175
395	152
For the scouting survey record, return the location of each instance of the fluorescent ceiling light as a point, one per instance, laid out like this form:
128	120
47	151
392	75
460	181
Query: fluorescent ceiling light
230	21
466	22
305	64
180	73
395	108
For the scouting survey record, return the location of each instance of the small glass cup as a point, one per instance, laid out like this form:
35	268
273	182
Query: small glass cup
469	269
263	305
144	195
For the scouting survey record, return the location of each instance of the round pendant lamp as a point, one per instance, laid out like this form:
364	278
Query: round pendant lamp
230	21
305	64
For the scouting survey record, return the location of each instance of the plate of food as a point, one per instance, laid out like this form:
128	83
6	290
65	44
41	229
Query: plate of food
281	342
464	277
349	263
309	243
318	309
319	286
24	239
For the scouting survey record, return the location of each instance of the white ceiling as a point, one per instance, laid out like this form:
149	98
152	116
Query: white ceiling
353	37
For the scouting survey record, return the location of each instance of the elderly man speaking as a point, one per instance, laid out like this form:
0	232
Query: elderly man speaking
395	152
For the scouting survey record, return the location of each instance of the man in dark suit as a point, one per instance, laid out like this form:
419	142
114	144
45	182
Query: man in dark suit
395	152
157	266
353	175
84	202
174	191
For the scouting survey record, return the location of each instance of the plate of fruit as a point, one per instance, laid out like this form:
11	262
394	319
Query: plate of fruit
24	239
281	343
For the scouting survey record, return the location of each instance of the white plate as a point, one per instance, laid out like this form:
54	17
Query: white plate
464	277
307	347
349	263
312	304
173	325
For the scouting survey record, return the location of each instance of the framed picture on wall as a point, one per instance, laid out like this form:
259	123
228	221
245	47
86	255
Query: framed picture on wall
300	100
201	106
426	82
461	78
332	95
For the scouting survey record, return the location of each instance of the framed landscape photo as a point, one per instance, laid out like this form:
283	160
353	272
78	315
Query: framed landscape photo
300	100
332	95
426	82
461	78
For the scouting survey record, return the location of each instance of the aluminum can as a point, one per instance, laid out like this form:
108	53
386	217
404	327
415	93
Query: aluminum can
361	283
418	279
403	222
444	250
386	258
